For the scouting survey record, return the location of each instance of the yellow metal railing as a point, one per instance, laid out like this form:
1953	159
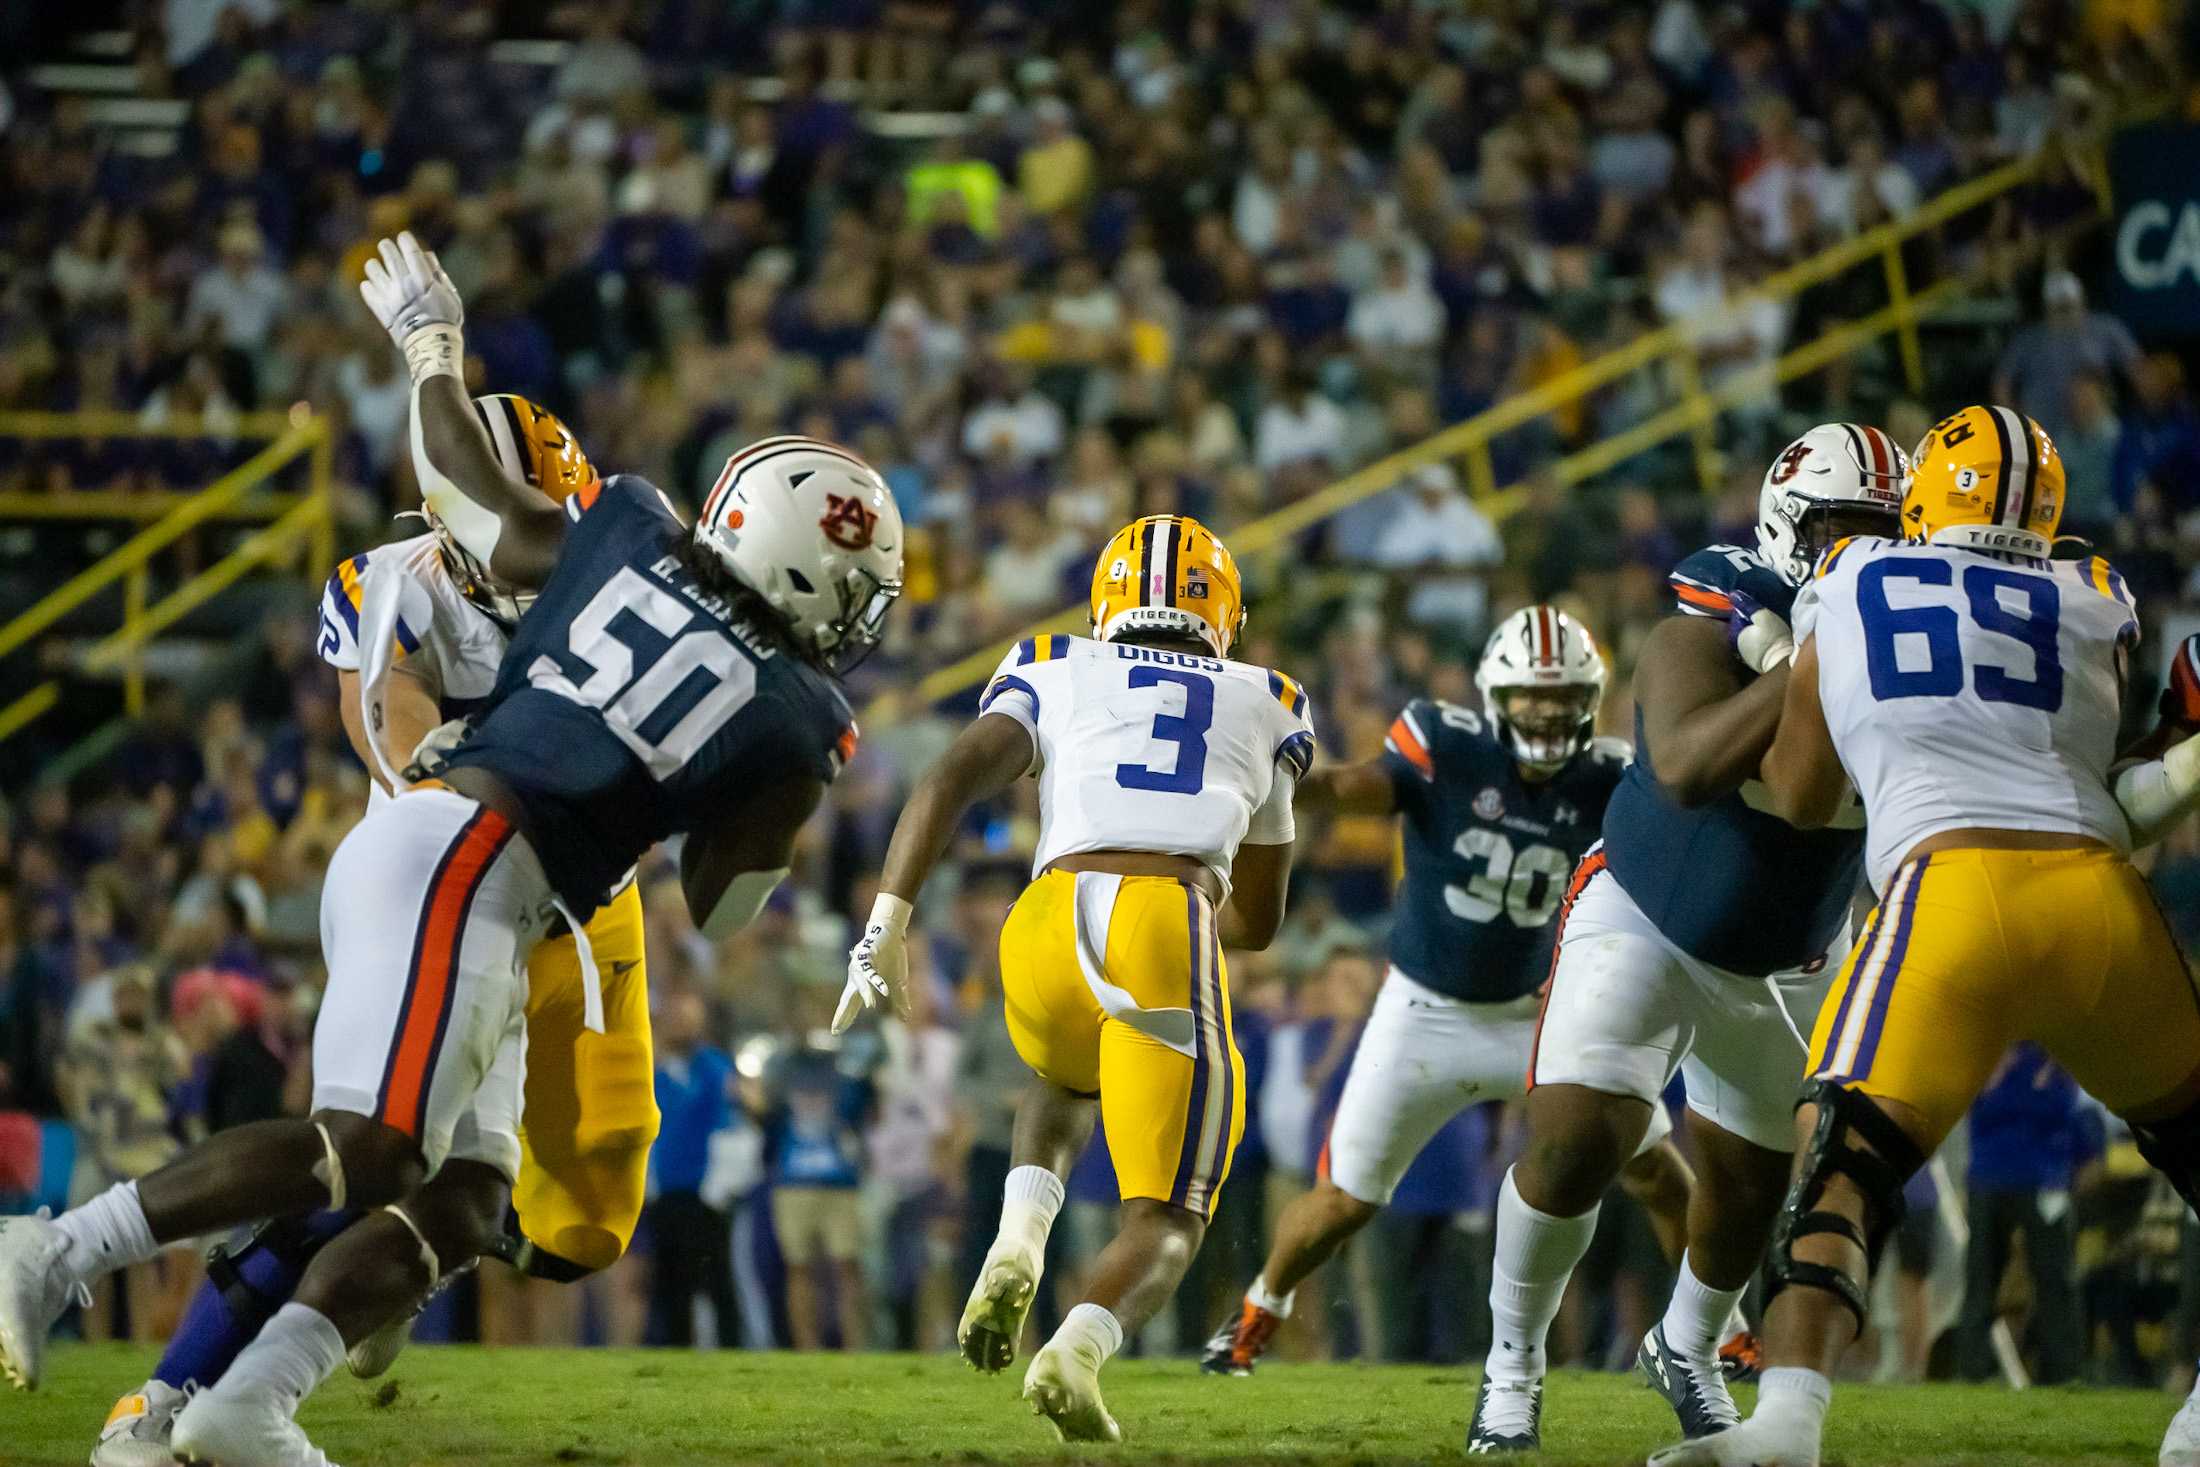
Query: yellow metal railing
294	521
1674	346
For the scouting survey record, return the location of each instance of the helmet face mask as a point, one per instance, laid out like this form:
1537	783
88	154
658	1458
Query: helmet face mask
1542	682
1838	479
1548	725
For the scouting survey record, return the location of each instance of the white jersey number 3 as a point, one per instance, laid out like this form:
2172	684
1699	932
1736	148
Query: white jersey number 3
631	704
1525	887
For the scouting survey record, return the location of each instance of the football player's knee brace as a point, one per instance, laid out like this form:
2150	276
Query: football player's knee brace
2172	1147
1844	1116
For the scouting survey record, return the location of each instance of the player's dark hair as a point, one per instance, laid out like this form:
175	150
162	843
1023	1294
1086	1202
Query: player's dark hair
747	605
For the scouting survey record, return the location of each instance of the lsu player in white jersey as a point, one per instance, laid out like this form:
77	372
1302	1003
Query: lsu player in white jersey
588	1111
1165	776
1970	687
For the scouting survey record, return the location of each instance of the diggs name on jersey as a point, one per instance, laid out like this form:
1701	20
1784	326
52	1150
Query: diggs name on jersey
1487	851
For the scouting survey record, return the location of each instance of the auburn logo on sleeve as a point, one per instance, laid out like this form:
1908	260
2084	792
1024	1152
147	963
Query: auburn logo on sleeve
848	522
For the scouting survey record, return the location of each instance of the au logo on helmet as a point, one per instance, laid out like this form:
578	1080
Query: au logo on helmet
848	522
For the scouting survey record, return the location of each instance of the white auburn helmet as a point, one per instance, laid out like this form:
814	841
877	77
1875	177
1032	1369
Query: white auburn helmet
1832	468
1536	649
814	530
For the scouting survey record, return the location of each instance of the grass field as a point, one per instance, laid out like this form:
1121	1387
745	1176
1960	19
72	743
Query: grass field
455	1405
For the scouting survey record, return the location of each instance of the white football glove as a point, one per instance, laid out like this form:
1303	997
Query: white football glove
1761	637
878	965
416	303
434	749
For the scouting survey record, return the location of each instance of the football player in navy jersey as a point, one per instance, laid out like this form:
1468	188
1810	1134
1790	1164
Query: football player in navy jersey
1692	939
668	681
1496	809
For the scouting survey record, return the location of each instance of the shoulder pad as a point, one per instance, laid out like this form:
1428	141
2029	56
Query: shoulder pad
622	491
1037	649
1704	582
2106	579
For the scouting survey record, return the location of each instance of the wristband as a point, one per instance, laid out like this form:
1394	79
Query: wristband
435	350
890	913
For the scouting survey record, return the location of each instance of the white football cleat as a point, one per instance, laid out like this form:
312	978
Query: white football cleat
1761	1441
243	1426
137	1429
1064	1389
993	1320
35	1286
2181	1443
379	1351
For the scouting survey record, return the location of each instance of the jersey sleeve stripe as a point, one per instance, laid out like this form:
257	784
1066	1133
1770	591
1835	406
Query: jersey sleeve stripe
1680	580
1833	553
406	639
1027	652
1297	752
341	599
1057	646
1287	693
1405	741
1710	602
1009	683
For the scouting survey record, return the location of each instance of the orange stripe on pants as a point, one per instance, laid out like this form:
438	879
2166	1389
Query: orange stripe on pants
1590	865
430	984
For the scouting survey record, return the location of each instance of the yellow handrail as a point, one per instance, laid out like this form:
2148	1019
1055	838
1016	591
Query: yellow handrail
150	541
1698	407
306	519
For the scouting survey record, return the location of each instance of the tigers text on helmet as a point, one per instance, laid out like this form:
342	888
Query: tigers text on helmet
815	532
534	447
1542	681
1168	573
1987	478
1838	479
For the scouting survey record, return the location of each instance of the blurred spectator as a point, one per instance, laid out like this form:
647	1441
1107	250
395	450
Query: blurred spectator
813	1141
119	1074
2031	1130
241	297
2041	368
689	1239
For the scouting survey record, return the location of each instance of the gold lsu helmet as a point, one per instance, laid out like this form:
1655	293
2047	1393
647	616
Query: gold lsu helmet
1988	478
1168	573
532	445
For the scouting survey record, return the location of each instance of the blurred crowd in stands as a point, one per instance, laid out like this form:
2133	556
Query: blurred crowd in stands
1047	266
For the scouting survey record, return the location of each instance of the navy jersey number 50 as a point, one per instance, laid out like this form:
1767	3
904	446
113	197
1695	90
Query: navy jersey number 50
2034	628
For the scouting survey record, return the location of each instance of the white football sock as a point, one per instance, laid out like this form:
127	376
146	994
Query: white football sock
1696	1314
294	1352
1260	1298
107	1233
1536	1254
1791	1393
1028	1206
1090	1333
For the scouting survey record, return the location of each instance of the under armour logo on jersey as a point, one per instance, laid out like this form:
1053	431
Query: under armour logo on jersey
1789	462
1566	815
848	522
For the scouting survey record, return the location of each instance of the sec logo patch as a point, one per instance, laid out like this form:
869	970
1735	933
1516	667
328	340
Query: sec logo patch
1489	805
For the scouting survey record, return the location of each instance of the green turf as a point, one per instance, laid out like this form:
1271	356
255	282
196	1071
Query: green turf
458	1405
